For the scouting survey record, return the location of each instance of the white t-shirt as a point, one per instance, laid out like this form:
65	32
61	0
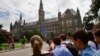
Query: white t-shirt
45	46
92	45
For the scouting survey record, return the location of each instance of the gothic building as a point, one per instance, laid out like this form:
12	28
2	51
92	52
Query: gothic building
69	21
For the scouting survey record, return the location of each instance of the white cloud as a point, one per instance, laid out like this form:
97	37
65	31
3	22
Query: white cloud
29	8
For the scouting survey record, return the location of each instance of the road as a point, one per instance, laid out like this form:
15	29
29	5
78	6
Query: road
20	52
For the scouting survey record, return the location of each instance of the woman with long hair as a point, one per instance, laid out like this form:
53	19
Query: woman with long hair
36	44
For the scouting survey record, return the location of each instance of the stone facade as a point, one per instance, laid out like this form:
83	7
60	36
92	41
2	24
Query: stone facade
69	21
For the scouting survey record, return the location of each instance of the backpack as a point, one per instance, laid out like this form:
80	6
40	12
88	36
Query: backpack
97	47
71	48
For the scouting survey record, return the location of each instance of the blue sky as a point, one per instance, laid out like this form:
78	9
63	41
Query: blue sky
11	9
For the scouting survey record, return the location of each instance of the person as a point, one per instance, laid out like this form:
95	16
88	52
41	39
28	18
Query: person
51	45
59	50
97	53
91	41
95	29
63	39
46	46
97	39
37	44
23	41
80	40
69	45
69	38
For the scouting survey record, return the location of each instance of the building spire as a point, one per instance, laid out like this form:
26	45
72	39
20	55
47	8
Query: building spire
10	26
41	12
59	15
24	22
41	5
78	12
20	16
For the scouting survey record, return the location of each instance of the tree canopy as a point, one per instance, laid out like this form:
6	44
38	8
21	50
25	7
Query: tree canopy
0	26
92	14
95	6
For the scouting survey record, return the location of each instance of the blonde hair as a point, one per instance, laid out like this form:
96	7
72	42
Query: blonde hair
36	44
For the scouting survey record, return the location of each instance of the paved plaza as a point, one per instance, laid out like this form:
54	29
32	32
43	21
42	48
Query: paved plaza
20	52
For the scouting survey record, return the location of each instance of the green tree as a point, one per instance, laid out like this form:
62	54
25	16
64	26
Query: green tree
95	6
87	22
23	40
52	35
3	36
36	32
0	26
28	35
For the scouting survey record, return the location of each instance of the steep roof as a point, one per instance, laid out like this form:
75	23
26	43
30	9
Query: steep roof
69	11
54	19
31	23
73	12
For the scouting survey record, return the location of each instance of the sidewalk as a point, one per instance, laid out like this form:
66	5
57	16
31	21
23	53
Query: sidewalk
26	46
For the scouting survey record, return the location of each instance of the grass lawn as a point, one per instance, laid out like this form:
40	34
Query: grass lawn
5	46
18	45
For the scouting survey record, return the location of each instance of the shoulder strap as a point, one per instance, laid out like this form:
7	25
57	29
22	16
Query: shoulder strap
96	45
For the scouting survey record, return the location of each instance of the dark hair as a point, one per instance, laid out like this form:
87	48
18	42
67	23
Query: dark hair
82	35
97	33
90	36
69	34
57	41
49	42
63	37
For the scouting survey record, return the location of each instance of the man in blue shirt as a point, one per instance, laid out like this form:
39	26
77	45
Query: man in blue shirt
80	40
97	38
65	42
59	50
97	53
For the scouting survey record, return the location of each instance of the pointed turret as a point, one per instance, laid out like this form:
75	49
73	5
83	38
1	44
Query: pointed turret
20	21
16	23
78	12
24	22
79	21
59	16
20	17
41	6
10	26
41	12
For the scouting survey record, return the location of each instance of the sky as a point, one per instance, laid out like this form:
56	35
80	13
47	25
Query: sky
11	9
